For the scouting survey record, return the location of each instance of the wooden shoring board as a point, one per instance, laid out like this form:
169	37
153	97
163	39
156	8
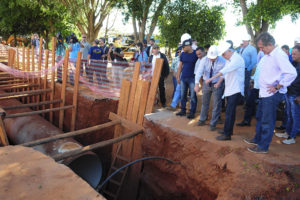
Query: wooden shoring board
122	109
39	79
63	89
52	84
45	78
154	85
3	136
143	101
75	90
135	78
28	69
23	69
33	98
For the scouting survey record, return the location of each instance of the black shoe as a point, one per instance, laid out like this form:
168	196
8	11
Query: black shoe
223	137
201	123
221	132
163	105
212	128
249	141
243	123
280	128
219	121
256	149
181	113
191	116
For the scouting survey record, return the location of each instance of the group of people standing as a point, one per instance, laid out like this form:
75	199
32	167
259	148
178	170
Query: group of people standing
225	72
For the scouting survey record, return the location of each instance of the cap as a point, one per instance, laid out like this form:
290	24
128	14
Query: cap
223	46
212	52
187	43
155	46
246	37
96	41
297	40
184	37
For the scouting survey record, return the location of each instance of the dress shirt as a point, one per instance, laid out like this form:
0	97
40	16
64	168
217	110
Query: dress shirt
249	53
276	69
205	67
197	65
234	75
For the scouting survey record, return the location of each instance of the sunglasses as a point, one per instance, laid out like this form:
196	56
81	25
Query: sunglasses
83	37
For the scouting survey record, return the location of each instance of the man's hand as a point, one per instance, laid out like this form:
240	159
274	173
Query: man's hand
217	85
208	81
178	78
197	89
271	89
251	86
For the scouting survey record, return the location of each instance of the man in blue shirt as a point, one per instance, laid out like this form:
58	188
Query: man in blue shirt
94	55
249	54
186	78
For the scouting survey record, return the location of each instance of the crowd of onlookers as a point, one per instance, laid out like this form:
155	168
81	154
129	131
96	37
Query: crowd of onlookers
258	79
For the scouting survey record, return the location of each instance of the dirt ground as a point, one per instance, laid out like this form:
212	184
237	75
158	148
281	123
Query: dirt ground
211	169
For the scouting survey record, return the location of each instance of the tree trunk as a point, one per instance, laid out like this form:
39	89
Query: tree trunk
245	11
134	29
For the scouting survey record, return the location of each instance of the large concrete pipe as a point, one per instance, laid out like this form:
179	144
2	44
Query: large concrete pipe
29	128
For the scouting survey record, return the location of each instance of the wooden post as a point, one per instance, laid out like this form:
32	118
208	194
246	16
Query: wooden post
28	70
63	89
32	69
3	136
154	85
39	79
75	90
45	77
143	101
135	78
52	78
23	69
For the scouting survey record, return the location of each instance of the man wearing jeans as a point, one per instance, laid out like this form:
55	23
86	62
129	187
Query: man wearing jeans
276	74
186	78
234	75
293	103
208	67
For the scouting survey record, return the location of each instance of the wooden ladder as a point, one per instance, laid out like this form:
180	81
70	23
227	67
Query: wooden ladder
114	185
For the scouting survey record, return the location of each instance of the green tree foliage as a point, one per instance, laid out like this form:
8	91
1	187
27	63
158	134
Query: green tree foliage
259	15
144	15
205	24
89	15
45	17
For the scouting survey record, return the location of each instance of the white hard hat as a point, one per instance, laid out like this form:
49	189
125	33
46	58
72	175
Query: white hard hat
246	37
184	37
223	46
297	40
212	52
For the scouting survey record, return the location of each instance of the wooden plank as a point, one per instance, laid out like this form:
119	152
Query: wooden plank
125	123
154	85
3	136
39	79
23	68
32	80
31	104
28	70
135	78
45	81
143	102
52	77
75	91
63	89
136	105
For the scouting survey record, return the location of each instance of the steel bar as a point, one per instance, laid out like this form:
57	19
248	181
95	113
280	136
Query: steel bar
31	104
71	134
38	112
97	145
32	92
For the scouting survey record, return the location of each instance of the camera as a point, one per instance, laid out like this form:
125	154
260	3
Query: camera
72	38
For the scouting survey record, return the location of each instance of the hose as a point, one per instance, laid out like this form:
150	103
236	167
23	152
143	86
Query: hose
131	163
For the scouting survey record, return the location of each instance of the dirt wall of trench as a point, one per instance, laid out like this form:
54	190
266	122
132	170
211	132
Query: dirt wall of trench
210	171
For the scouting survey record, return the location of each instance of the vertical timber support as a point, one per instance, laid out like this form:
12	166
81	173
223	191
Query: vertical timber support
63	89
3	136
52	77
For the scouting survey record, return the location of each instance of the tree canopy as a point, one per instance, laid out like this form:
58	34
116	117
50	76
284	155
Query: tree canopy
258	16
205	24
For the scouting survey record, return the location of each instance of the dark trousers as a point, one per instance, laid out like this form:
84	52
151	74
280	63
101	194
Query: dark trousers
251	105
232	102
162	91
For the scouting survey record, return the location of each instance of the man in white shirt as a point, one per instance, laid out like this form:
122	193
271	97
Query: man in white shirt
200	52
234	75
276	73
209	66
